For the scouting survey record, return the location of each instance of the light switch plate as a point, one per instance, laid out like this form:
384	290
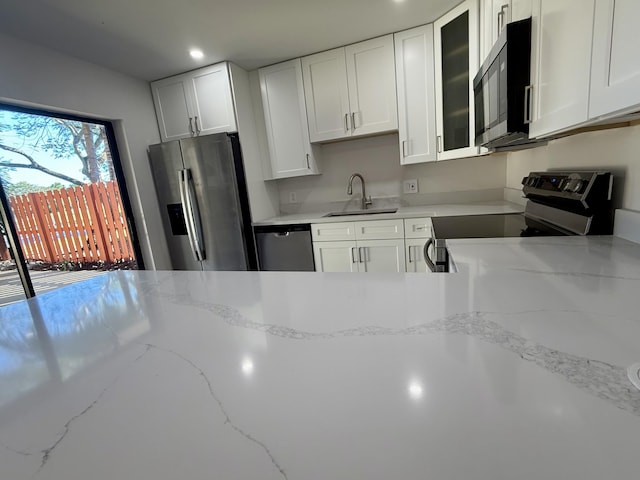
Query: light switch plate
410	186
293	198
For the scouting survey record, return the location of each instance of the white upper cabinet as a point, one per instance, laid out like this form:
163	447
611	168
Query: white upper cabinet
326	95
495	14
456	52
194	103
372	86
286	120
560	64
173	108
351	91
212	100
416	95
615	68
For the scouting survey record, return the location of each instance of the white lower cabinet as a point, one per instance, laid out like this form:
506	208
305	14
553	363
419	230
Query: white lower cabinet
369	246
414	256
336	256
381	256
416	233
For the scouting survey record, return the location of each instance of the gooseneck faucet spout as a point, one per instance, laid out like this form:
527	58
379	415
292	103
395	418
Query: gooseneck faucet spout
365	201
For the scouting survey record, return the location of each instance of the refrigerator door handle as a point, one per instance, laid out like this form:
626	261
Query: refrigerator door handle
191	213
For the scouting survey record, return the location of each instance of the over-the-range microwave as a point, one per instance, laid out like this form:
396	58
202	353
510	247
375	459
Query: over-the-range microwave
502	89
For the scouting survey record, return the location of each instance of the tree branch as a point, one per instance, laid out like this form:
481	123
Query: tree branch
35	165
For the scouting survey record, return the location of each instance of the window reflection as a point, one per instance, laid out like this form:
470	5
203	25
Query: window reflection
56	335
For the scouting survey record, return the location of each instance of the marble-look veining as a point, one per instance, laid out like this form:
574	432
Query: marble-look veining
513	368
601	379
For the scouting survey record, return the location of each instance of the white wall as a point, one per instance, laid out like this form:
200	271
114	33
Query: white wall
378	160
35	76
615	150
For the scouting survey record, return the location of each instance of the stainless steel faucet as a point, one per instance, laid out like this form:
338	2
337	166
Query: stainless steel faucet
365	201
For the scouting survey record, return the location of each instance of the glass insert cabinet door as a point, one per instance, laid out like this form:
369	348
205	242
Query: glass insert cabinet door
455	81
456	56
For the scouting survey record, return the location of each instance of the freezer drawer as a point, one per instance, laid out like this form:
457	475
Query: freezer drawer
285	248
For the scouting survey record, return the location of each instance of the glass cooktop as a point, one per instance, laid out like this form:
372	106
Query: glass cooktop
491	226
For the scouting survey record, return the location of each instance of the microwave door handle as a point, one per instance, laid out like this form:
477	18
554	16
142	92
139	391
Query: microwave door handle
425	252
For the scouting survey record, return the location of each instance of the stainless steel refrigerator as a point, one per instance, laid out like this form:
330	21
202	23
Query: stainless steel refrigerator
203	200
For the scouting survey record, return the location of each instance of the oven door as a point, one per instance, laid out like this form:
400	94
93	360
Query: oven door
436	255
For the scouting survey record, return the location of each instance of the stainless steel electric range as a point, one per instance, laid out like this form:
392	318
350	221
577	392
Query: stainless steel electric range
558	203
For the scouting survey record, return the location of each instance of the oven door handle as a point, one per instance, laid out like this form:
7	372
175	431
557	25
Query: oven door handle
425	253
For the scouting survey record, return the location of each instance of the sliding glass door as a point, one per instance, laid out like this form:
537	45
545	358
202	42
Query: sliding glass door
64	189
11	288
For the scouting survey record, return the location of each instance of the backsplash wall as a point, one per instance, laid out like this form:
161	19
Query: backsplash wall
378	160
616	150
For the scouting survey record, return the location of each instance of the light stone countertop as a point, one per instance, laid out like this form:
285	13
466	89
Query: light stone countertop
514	368
438	210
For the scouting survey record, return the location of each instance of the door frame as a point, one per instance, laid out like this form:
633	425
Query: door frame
120	178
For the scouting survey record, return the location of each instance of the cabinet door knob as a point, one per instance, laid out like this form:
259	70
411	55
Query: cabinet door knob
346	122
353	120
404	148
353	255
439	143
410	251
195	121
308	165
191	126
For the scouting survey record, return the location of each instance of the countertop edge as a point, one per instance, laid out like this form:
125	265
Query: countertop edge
481	208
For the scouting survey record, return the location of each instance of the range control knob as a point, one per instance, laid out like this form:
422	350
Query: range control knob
574	185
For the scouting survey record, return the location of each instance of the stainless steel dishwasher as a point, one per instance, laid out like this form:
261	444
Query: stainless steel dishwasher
286	248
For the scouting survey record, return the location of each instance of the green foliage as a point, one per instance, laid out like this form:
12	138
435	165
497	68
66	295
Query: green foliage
21	188
85	143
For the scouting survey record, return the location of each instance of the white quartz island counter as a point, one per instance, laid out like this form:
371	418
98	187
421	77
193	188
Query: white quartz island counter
513	368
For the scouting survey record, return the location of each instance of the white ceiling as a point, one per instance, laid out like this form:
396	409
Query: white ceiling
150	39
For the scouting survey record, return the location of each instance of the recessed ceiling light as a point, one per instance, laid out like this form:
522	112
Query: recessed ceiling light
196	54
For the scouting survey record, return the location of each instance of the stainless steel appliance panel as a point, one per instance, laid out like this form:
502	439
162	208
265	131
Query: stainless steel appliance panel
166	162
287	248
210	161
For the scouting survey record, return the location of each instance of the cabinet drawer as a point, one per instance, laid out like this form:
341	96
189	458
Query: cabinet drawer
379	229
417	227
331	232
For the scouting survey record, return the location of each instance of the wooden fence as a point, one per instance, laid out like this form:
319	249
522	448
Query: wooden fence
80	224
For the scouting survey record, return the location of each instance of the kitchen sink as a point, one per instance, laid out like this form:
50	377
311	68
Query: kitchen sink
373	211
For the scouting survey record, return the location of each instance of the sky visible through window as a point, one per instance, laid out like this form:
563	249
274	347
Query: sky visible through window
60	152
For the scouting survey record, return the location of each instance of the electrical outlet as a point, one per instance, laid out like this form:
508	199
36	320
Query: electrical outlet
410	186
293	198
